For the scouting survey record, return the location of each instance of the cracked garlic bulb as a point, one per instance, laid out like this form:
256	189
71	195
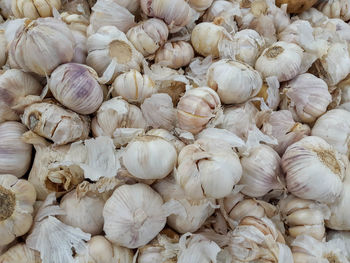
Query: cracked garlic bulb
17	197
175	54
20	253
314	170
33	9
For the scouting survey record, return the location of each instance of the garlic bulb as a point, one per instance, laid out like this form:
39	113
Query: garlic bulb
132	5
175	54
149	157
83	212
110	13
135	214
17	88
269	94
234	81
197	211
15	154
56	123
306	97
102	251
3	50
175	13
196	108
76	7
110	53
282	60
20	253
38	40
76	87
133	86
296	7
314	170
167	136
33	9
148	36
17	199
334	128
5	8
335	9
200	5
197	164
261	171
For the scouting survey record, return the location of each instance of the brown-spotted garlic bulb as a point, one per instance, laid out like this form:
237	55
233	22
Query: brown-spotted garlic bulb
76	87
175	13
15	154
133	86
234	82
33	9
20	253
110	53
314	170
55	123
282	60
38	40
17	197
140	155
175	54
306	97
335	9
17	88
148	36
196	108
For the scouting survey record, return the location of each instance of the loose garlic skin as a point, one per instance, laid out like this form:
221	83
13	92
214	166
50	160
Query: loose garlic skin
314	170
149	157
15	154
76	87
133	86
38	40
234	81
148	36
282	60
20	253
306	97
17	199
34	9
175	54
196	108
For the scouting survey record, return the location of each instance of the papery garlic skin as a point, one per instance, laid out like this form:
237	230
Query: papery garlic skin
335	9
306	97
15	154
3	51
196	108
165	134
5	8
149	157
234	82
76	87
17	199
34	8
38	40
175	54
148	36
314	170
76	7
282	60
20	253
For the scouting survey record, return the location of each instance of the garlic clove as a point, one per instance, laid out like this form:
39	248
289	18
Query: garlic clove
175	54
337	9
33	9
20	253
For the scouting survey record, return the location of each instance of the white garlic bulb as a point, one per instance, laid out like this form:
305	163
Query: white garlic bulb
76	87
38	40
306	97
200	5
175	13
132	5
196	108
55	123
33	9
17	199
165	134
197	164
110	53
314	170
282	60
133	86
175	54
20	253
234	81
15	157
148	36
149	157
335	9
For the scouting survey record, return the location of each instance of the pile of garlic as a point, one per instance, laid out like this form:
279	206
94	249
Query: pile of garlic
162	131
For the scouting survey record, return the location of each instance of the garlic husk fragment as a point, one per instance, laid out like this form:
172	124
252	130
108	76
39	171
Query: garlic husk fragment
221	136
100	250
3	50
110	53
38	40
135	214
33	9
335	9
20	253
306	97
15	154
234	82
197	70
149	157
197	211
269	95
314	170
165	134
282	60
334	128
175	54
55	123
17	199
